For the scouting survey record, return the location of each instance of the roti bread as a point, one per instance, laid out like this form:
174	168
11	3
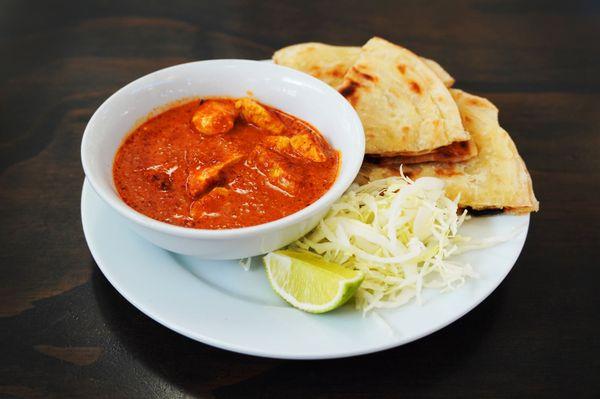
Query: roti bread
404	107
330	63
496	178
455	152
324	62
441	73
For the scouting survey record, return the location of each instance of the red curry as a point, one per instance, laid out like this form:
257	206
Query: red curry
223	163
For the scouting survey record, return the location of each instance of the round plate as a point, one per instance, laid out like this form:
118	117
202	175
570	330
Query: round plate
220	304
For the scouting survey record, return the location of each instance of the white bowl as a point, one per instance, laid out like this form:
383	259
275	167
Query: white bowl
291	91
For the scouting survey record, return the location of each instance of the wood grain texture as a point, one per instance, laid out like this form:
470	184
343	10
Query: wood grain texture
79	355
536	336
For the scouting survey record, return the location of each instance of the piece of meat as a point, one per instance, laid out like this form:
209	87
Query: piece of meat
275	167
280	144
301	145
259	116
212	204
201	179
215	117
307	146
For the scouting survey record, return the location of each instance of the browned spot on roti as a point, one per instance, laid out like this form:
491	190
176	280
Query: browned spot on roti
466	118
349	88
414	86
368	77
405	129
446	169
78	355
317	72
338	71
436	122
402	68
476	101
363	72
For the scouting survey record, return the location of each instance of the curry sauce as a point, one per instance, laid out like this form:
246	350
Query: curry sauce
223	163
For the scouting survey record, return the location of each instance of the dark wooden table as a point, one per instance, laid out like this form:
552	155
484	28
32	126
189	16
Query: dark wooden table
65	332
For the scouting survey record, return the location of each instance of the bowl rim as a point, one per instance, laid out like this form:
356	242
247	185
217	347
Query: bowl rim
333	193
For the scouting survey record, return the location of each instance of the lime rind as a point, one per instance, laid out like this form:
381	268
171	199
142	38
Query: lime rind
310	283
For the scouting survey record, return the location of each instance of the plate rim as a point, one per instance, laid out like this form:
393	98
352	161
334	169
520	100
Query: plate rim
209	340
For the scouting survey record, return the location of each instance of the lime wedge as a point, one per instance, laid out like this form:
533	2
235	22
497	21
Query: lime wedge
309	282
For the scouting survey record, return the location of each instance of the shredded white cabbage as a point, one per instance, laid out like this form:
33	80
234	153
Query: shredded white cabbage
246	263
399	233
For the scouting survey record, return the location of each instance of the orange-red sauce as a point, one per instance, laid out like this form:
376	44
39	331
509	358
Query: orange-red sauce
152	167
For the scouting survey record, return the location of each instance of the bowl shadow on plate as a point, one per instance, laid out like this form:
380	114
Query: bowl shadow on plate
229	278
196	368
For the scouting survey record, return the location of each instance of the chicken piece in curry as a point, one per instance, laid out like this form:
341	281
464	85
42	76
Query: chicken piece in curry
259	116
303	145
276	168
201	178
223	163
214	117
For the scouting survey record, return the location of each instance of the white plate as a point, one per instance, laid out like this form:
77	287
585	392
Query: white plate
220	304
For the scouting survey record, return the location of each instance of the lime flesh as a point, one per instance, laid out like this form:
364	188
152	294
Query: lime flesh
309	282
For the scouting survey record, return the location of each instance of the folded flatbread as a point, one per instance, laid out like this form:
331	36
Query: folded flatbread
325	62
496	178
456	152
441	73
330	63
404	107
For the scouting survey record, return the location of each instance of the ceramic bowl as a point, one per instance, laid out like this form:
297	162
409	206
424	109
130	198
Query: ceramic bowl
289	90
